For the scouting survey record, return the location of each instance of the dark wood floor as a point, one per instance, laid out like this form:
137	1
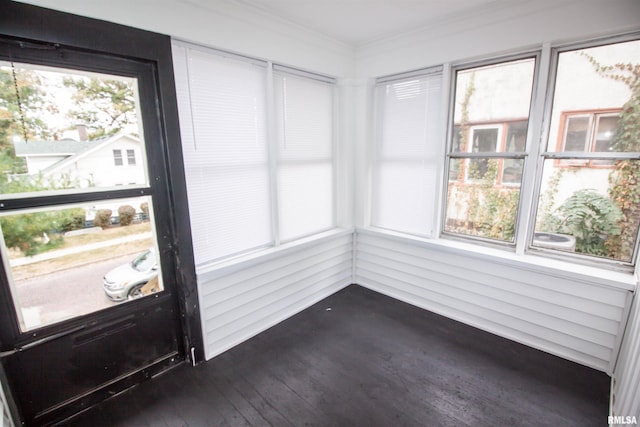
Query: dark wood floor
359	358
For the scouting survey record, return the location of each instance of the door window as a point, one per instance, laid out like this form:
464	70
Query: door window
77	231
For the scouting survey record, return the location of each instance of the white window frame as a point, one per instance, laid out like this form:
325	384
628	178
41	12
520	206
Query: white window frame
533	156
548	82
504	155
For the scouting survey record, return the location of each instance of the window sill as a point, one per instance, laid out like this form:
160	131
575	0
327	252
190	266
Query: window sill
527	262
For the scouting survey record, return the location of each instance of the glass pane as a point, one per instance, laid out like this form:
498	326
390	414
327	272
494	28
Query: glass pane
576	136
67	129
72	260
590	83
484	208
605	130
512	171
516	137
494	94
592	211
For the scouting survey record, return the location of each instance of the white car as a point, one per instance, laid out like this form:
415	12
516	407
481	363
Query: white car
128	280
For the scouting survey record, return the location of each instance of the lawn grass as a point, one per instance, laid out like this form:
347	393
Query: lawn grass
93	236
106	234
69	261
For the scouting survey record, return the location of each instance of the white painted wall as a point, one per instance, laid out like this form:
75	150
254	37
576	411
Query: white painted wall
222	25
500	28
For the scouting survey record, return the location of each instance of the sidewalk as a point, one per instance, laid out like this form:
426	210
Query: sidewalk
77	249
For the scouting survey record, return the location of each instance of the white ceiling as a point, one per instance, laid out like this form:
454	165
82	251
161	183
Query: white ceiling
357	22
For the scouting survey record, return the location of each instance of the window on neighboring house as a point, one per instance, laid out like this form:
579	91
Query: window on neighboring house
131	157
590	180
487	149
406	162
117	157
250	188
588	132
491	138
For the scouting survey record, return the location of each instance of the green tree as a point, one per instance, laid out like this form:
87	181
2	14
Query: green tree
624	180
36	232
104	106
19	115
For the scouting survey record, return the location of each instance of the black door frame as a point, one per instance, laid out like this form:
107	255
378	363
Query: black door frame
26	24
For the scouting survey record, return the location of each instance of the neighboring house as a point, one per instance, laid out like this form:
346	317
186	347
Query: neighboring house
106	162
581	121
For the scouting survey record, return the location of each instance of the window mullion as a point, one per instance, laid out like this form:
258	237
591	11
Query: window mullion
443	169
536	137
273	164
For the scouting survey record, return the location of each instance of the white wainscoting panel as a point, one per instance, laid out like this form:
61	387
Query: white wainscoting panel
579	320
244	298
626	376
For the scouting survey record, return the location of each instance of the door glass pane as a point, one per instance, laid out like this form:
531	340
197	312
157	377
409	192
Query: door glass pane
69	131
75	259
66	129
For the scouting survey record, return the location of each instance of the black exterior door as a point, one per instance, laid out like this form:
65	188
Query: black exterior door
97	282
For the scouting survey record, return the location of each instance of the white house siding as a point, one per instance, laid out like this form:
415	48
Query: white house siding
97	168
37	163
578	319
626	376
245	298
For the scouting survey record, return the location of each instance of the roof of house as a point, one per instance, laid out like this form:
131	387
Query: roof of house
64	147
70	149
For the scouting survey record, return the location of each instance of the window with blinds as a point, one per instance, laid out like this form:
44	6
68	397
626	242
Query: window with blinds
304	117
246	190
406	164
222	105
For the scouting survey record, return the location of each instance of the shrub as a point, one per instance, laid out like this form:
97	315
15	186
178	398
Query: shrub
103	218
126	214
73	219
591	218
144	207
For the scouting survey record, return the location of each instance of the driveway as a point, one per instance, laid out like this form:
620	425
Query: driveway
65	294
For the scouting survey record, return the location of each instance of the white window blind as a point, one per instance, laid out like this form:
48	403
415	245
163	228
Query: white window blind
406	158
222	107
305	177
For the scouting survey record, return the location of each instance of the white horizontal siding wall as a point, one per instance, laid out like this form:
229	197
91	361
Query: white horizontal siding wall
575	319
243	299
626	376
